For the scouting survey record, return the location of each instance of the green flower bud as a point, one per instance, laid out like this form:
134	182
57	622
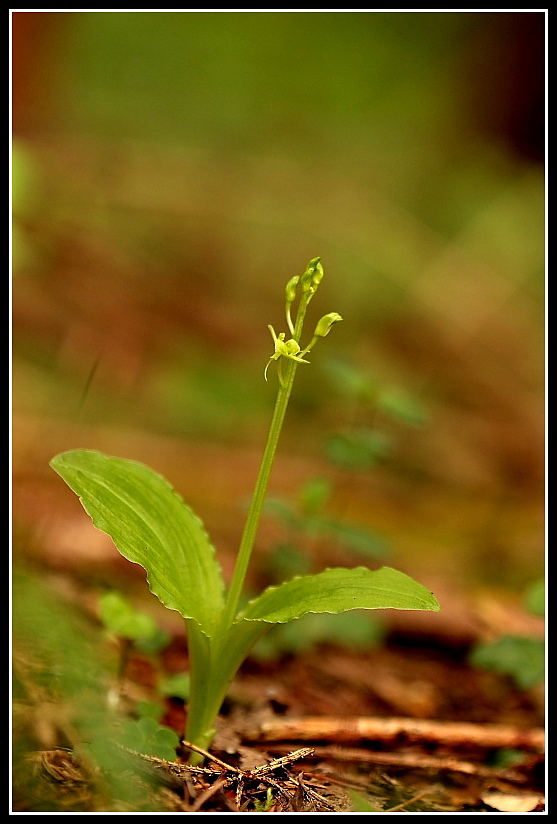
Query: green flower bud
313	276
324	326
317	273
291	288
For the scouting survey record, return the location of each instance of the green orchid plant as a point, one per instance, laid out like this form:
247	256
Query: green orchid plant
152	526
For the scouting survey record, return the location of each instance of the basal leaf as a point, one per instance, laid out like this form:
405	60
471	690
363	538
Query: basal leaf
339	590
151	526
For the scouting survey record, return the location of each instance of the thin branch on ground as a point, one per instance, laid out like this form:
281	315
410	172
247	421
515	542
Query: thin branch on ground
408	730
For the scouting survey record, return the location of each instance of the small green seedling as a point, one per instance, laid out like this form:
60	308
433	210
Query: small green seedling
151	525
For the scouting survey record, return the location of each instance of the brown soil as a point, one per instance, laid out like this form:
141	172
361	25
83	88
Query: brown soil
408	726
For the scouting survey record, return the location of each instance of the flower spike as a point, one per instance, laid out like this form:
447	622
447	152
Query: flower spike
307	284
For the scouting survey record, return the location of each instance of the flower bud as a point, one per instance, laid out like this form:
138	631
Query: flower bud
324	326
317	273
313	275
291	288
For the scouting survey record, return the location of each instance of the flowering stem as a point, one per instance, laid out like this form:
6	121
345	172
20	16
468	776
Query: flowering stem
256	506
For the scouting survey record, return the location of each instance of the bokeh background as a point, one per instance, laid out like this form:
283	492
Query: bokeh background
172	170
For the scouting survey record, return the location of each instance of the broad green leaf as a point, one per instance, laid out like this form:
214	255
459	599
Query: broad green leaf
151	526
339	590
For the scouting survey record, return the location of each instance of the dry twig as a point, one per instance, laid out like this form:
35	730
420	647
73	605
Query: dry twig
415	760
409	730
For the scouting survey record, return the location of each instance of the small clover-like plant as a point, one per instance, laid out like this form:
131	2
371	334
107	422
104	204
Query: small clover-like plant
151	525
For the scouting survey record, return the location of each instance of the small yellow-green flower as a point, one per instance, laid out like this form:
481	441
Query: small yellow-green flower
284	349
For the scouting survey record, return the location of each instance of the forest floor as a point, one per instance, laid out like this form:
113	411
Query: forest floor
408	726
405	723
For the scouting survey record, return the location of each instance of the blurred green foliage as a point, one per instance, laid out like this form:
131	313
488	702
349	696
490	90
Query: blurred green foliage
176	686
521	657
220	143
534	598
357	631
307	520
59	692
254	80
146	736
172	168
360	804
121	619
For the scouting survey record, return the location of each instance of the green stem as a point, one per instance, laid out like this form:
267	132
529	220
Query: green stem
256	506
213	665
214	662
201	709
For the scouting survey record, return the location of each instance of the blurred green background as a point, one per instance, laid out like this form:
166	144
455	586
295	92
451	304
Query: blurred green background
172	170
